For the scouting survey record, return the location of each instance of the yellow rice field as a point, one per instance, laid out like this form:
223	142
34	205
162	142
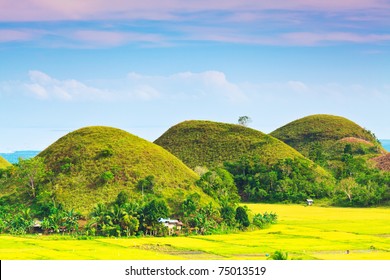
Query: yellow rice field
304	232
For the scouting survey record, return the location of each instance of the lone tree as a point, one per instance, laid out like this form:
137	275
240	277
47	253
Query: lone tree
30	173
244	120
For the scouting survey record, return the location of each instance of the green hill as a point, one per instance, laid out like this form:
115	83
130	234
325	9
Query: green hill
329	134
273	170
210	144
93	164
4	163
207	143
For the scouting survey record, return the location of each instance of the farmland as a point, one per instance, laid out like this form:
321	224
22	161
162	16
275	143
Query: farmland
304	232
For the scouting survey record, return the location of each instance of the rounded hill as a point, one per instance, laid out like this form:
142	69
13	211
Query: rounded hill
210	144
4	163
327	132
93	164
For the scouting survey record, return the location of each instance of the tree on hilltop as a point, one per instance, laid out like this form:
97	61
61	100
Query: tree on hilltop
244	120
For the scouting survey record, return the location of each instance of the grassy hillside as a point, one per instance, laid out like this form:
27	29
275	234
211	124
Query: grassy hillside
328	133
94	164
206	143
4	163
210	144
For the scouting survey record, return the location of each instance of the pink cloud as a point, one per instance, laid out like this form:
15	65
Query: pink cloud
308	38
113	38
41	10
15	35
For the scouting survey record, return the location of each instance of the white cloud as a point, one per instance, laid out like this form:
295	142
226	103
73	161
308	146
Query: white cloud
43	86
189	85
298	86
208	85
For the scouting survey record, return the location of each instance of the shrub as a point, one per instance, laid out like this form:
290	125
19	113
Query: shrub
107	176
242	217
279	255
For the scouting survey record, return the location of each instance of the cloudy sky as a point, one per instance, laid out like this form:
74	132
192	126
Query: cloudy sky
144	66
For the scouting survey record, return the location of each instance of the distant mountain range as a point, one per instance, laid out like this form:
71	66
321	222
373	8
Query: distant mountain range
14	157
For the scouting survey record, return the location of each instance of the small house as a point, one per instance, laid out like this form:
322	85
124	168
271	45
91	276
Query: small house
309	202
37	227
172	225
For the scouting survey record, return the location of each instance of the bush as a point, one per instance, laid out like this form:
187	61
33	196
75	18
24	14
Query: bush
279	255
264	220
242	217
107	176
106	153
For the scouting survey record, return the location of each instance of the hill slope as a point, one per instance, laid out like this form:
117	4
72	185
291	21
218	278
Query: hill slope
3	163
94	164
207	143
329	133
210	144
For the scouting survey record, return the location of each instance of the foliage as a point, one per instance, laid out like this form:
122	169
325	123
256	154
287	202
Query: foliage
107	176
122	198
279	255
244	120
242	217
108	152
20	219
153	211
228	214
219	184
265	219
291	180
146	185
117	219
30	174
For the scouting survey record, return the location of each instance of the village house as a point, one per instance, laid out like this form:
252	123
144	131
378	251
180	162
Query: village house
172	225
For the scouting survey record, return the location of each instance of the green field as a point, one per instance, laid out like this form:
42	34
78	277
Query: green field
303	232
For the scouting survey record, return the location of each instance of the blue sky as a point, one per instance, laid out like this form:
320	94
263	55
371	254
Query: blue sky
144	67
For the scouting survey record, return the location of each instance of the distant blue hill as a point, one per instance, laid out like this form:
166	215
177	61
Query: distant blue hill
14	157
386	144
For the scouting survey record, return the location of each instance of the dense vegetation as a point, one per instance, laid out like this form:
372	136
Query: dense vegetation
288	180
127	217
359	184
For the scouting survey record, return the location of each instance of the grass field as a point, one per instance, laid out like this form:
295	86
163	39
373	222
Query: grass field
303	232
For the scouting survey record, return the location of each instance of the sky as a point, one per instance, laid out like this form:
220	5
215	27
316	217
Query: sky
144	66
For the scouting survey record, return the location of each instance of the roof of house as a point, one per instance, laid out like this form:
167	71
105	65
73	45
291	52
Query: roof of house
169	221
